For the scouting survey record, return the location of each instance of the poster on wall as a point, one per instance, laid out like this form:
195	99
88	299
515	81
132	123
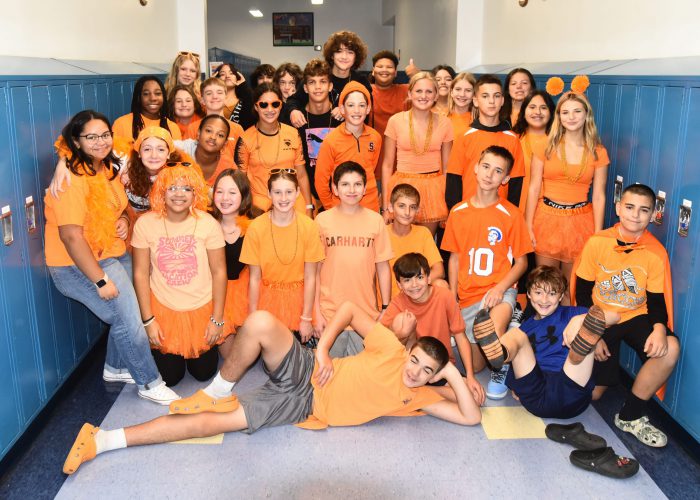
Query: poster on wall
213	65
292	29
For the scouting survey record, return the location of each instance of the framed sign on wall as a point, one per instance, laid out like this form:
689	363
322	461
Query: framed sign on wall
291	29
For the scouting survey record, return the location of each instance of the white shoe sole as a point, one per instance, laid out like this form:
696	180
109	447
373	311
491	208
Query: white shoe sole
162	402
496	397
117	378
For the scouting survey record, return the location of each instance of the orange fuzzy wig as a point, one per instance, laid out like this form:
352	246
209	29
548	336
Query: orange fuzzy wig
171	176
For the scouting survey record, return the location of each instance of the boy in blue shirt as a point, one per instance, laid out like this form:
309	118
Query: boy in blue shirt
551	353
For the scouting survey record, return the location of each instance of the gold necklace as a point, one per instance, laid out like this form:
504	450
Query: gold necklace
582	167
296	242
277	149
428	134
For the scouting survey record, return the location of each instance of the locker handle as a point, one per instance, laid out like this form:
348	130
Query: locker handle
30	212
6	221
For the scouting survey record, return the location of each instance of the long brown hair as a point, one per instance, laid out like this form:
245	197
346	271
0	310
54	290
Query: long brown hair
241	180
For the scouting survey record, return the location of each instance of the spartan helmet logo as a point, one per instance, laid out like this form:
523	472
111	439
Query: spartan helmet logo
494	236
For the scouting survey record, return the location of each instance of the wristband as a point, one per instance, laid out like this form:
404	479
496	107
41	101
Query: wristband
310	206
217	323
304	318
149	321
102	282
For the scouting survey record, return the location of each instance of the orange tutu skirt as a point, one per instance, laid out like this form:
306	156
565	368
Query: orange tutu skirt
560	233
236	308
432	194
284	300
184	331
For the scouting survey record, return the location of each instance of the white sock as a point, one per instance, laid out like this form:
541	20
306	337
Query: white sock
109	440
219	387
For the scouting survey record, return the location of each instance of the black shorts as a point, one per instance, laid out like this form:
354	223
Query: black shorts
634	333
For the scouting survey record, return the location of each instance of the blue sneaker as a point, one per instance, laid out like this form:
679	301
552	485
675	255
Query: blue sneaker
496	388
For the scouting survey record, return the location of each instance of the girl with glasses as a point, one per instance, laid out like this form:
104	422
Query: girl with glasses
269	145
180	276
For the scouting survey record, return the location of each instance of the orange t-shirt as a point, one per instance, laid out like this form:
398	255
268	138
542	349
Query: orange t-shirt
461	123
386	103
258	153
369	385
487	241
354	243
281	252
438	317
532	145
340	146
180	275
71	208
623	279
419	240
467	149
122	127
556	178
410	162
185	126
235	131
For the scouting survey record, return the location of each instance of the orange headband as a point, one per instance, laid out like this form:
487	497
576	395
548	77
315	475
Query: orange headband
154	131
555	85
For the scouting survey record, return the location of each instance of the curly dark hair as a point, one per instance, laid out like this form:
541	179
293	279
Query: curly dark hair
351	41
71	134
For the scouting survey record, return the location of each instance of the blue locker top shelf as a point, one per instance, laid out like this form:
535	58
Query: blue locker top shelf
12	67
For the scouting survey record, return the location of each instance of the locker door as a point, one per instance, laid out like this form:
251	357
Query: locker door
10	412
647	127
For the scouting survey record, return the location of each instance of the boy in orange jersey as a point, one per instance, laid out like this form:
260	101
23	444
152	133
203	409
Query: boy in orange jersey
407	237
486	130
305	387
319	120
434	312
489	243
352	141
625	269
357	249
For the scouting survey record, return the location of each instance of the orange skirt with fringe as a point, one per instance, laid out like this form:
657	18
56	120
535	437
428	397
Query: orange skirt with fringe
560	233
236	307
184	331
284	300
432	194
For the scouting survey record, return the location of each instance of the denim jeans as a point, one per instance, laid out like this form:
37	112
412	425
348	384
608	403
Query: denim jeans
128	348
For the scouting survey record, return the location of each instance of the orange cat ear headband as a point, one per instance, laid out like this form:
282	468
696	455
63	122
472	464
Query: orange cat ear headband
555	85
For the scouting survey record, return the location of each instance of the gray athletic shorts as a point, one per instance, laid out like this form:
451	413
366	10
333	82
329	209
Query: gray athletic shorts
286	398
469	313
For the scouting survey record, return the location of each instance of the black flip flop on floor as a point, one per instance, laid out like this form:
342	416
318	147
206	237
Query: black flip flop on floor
575	435
606	462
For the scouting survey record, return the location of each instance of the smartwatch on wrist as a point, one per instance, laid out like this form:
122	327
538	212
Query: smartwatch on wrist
102	282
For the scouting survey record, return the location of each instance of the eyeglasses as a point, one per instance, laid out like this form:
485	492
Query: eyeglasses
93	138
274	104
184	53
182	189
285	170
176	163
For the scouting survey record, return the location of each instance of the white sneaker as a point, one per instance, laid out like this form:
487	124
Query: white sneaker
160	394
124	377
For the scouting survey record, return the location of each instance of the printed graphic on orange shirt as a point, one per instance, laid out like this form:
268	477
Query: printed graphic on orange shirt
495	235
622	289
176	259
350	241
371	146
314	138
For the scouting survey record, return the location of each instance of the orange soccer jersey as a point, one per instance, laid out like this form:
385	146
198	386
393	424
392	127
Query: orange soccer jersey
340	146
487	241
467	149
623	279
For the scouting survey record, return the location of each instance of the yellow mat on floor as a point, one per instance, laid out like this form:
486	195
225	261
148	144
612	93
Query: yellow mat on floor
511	422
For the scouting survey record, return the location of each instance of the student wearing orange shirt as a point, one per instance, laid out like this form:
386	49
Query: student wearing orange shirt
86	253
519	83
573	162
351	141
184	107
488	241
210	150
270	145
282	249
459	103
313	393
420	141
406	237
389	97
486	130
443	76
353	234
147	110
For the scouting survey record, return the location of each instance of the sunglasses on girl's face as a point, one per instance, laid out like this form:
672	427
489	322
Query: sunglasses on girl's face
274	104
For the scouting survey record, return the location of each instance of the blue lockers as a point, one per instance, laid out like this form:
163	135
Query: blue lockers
43	336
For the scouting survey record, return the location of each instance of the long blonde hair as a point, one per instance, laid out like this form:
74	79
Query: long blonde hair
590	132
465	75
171	79
422	75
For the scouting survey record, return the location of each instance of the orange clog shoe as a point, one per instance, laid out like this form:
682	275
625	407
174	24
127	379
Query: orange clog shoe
200	402
83	449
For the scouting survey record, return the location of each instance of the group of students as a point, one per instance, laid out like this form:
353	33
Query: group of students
242	240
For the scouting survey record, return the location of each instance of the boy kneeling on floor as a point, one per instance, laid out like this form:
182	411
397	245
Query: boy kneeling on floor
551	353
